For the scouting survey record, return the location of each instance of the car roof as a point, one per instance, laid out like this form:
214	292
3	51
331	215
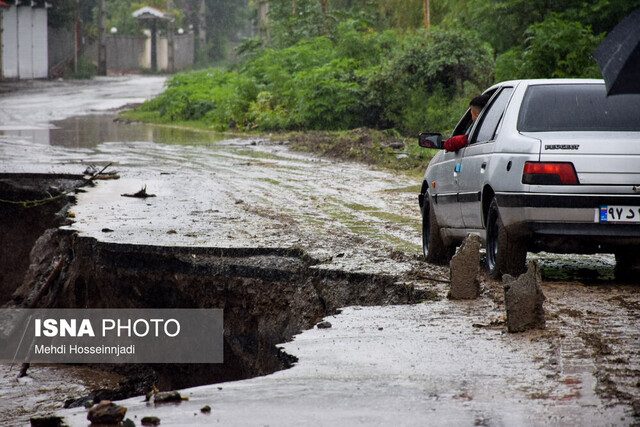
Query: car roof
534	82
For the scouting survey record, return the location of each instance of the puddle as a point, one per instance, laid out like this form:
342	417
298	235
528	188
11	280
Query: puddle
92	130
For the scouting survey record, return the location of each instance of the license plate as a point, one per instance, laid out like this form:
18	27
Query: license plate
628	214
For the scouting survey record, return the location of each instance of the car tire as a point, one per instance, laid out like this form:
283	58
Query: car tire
433	247
505	254
627	264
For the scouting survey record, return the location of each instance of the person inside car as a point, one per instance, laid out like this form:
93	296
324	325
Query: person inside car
476	105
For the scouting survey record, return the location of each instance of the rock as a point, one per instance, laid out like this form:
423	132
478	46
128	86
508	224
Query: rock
465	266
523	299
324	325
150	421
206	409
167	397
106	412
128	423
46	421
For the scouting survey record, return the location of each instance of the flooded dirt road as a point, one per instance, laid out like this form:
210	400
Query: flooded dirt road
436	362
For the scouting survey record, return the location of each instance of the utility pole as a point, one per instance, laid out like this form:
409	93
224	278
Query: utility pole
102	38
76	36
171	62
202	26
427	17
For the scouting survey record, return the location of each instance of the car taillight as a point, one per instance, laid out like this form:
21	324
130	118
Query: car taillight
549	174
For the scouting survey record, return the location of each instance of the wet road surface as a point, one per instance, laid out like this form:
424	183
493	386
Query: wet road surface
438	362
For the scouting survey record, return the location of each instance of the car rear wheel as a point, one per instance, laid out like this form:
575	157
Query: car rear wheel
628	264
505	254
433	247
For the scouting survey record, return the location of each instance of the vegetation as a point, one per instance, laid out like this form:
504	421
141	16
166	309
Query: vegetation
84	70
345	64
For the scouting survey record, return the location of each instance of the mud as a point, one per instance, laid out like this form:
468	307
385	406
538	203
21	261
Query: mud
524	299
282	240
464	269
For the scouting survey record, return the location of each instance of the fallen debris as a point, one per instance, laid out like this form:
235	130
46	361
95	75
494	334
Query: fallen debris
206	409
150	421
324	325
168	397
465	266
523	299
93	172
106	412
142	194
46	421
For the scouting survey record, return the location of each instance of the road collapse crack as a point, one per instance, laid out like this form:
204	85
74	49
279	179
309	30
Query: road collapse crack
268	295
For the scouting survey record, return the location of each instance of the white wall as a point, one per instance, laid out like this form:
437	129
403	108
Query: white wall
40	46
10	43
24	43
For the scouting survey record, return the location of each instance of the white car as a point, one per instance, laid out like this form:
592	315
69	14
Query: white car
550	165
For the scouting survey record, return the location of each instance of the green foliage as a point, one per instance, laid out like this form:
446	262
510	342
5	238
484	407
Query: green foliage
86	69
357	78
553	48
219	98
328	96
63	15
343	67
439	65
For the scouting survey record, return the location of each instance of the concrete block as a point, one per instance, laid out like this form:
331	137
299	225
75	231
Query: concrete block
464	267
524	299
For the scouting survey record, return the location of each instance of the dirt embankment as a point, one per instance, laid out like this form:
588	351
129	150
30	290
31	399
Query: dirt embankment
29	205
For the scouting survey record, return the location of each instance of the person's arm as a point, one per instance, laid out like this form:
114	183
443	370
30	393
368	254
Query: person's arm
456	142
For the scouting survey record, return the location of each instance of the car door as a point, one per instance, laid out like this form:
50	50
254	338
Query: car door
444	185
476	159
444	181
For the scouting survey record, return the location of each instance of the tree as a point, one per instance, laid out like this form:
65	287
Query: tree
554	47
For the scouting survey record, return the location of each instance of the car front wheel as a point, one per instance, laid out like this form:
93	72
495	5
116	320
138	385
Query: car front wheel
505	254
433	247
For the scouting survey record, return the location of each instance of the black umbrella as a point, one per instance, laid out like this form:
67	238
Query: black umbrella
619	56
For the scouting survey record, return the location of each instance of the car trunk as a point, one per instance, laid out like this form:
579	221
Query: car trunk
599	158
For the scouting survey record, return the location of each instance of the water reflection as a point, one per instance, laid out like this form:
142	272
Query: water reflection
93	130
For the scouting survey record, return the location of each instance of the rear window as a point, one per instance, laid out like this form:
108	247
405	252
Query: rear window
577	107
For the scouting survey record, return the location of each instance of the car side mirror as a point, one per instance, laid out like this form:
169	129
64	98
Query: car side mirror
430	140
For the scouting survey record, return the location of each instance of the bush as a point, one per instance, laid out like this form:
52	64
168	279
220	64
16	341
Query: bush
554	48
220	98
86	70
358	78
